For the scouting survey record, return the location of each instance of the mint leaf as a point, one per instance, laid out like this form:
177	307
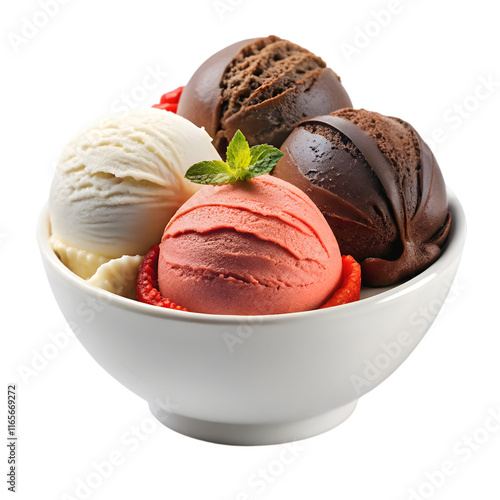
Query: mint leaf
211	172
242	163
238	152
263	158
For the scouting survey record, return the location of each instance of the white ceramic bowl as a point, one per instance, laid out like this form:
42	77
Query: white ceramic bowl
254	379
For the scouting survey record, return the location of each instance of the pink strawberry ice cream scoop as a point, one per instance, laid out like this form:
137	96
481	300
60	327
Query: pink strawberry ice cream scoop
255	247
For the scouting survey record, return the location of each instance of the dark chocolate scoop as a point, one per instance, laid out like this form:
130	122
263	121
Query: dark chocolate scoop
263	87
377	184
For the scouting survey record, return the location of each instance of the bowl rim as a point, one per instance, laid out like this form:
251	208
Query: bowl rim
452	250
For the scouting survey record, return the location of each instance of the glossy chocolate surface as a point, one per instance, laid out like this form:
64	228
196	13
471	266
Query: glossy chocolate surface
263	87
391	217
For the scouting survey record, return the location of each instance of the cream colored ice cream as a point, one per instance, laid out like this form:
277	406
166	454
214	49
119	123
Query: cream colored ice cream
118	275
118	184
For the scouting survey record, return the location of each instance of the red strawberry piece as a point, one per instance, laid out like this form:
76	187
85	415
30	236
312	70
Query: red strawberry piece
172	97
146	286
166	106
351	284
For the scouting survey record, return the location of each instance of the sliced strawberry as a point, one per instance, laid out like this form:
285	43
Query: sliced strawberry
172	97
170	100
146	286
351	284
166	106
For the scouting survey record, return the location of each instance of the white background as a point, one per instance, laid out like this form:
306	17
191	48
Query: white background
433	63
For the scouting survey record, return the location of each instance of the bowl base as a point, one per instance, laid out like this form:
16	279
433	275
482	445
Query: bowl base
252	434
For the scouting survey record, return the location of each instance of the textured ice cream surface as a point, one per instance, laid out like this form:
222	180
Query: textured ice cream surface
379	187
118	276
117	184
81	262
263	87
255	247
114	275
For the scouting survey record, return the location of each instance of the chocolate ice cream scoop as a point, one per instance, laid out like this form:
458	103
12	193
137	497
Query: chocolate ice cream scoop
263	87
379	187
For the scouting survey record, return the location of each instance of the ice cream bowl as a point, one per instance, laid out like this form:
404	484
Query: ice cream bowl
249	380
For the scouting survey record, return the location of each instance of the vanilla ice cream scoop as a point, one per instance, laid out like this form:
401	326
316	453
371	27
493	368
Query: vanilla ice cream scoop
118	184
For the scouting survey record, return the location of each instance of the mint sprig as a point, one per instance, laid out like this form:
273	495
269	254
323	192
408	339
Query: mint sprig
242	162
